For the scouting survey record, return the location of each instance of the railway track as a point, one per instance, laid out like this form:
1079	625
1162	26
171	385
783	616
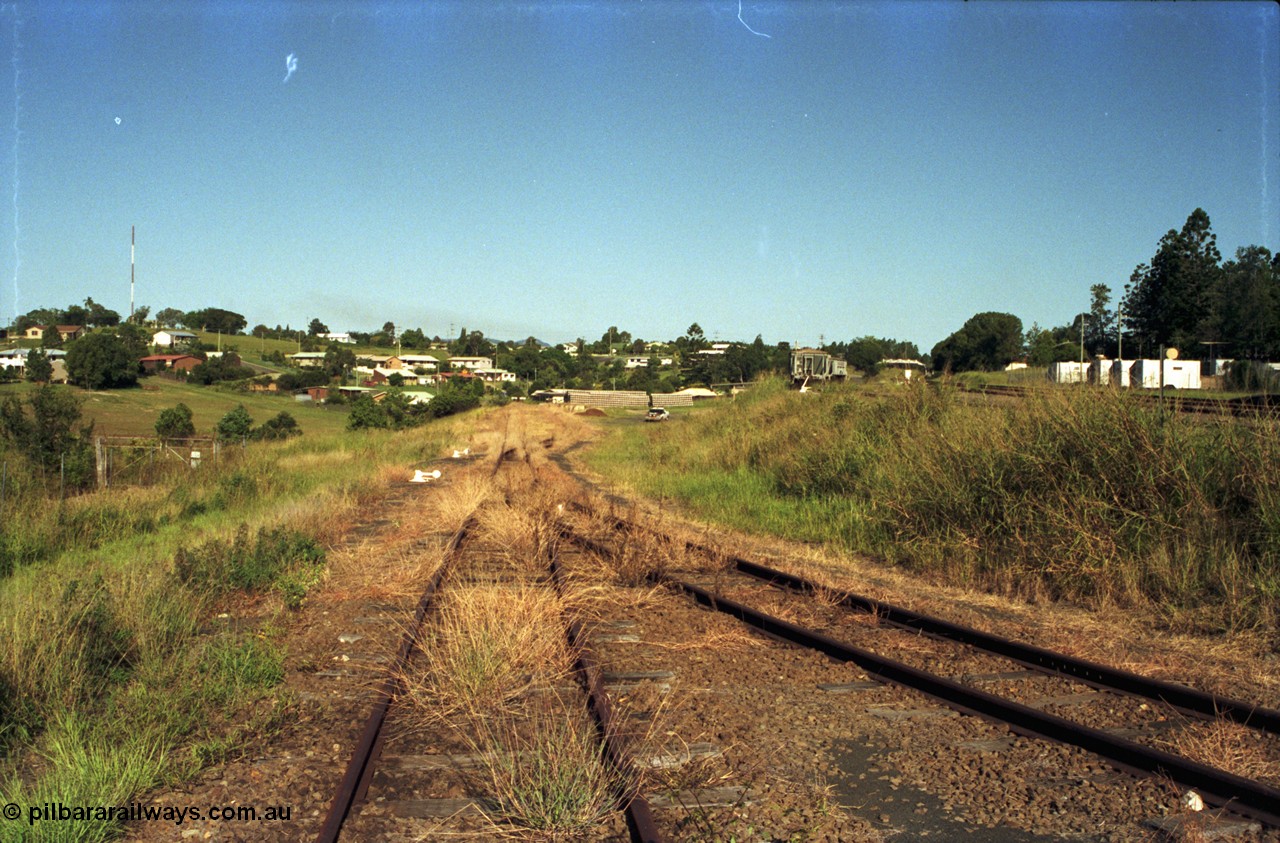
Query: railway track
388	762
712	729
1119	716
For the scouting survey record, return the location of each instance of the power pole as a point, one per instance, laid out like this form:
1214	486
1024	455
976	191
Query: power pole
132	241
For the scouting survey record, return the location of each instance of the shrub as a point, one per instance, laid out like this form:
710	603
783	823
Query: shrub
1252	376
280	426
250	562
235	425
366	415
175	423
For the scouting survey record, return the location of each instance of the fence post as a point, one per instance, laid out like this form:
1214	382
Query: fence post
62	476
100	461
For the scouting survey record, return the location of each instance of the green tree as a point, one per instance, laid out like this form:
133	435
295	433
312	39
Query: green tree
1247	307
136	338
280	426
215	320
865	353
471	344
316	328
169	317
234	426
225	367
1169	301
99	316
175	423
366	414
1099	331
73	315
1045	346
338	361
413	338
39	369
139	315
101	361
47	431
987	341
38	316
693	341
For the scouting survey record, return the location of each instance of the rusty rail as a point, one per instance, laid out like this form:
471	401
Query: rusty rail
359	772
1226	790
640	822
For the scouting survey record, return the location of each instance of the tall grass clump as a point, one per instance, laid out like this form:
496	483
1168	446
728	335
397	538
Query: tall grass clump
87	770
1083	495
544	769
487	647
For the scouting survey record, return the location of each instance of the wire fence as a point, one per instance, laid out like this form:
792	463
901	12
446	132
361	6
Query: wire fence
142	461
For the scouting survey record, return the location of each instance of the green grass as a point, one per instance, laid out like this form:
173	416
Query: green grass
1080	495
115	676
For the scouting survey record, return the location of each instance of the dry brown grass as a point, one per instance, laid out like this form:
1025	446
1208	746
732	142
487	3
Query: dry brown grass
486	647
1228	746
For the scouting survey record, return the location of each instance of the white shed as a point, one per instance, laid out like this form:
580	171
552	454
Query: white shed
1067	372
1179	374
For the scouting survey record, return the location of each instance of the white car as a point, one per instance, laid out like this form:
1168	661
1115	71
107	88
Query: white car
656	414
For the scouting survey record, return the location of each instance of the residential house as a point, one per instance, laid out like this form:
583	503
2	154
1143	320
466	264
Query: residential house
472	363
318	394
415	361
307	359
638	362
336	337
35	332
495	375
381	375
153	363
169	338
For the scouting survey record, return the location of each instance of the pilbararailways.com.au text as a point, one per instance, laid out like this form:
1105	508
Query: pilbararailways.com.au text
137	812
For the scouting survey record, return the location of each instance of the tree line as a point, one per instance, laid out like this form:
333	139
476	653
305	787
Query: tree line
1185	297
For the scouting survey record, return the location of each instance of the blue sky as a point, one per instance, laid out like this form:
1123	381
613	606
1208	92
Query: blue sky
554	168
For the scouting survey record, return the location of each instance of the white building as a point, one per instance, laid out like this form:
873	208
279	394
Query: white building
472	363
169	338
495	375
1068	372
643	362
1179	374
416	361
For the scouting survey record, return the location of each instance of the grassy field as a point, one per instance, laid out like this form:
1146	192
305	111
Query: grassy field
1078	495
133	412
253	349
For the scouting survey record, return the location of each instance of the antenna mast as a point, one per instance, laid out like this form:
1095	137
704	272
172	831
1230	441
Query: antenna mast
132	240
